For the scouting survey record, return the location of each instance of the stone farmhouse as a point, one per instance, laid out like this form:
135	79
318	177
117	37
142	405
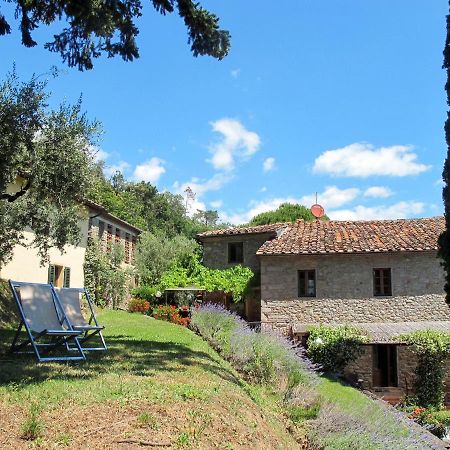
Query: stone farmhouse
383	277
66	269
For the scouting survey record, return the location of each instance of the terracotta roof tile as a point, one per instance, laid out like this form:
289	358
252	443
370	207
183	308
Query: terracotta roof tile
320	237
235	231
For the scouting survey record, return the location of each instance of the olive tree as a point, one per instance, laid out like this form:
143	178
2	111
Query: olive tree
45	166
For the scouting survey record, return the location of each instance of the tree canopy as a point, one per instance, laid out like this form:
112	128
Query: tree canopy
142	205
109	27
286	212
44	167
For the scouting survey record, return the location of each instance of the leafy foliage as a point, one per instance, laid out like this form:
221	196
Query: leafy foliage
144	292
233	280
334	347
444	239
46	158
433	350
286	212
143	206
104	275
155	253
110	27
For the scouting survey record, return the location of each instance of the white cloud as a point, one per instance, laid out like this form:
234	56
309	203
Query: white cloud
363	160
331	197
399	210
199	188
235	73
216	204
236	142
121	166
149	171
263	189
269	164
378	192
97	153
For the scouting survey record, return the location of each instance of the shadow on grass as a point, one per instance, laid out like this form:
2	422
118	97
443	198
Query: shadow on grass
125	356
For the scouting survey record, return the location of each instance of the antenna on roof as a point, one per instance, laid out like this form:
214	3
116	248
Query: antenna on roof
317	210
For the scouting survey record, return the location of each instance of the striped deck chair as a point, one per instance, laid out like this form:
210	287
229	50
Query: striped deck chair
45	322
70	299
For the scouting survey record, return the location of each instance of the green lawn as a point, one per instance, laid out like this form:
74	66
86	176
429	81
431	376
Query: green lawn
157	383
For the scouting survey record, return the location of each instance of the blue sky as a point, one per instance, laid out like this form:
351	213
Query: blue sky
343	98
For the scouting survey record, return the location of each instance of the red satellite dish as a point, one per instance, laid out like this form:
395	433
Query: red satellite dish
317	211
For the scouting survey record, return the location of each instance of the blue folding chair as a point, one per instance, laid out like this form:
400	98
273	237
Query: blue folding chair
70	299
45	323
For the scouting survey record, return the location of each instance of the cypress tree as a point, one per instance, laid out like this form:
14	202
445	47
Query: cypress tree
444	240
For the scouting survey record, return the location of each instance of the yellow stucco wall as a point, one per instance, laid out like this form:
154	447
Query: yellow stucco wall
26	263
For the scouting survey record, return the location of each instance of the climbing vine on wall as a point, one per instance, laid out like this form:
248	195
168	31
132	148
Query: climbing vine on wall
433	351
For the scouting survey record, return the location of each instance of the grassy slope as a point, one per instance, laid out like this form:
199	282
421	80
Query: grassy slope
158	382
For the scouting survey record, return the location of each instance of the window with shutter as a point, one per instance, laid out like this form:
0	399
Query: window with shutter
66	282
51	274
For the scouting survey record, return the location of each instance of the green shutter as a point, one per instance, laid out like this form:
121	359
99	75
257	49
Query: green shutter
51	273
66	277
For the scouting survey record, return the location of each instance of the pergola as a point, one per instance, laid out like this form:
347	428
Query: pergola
194	289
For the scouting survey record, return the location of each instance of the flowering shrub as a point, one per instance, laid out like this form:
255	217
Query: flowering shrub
435	421
138	305
333	347
260	357
170	314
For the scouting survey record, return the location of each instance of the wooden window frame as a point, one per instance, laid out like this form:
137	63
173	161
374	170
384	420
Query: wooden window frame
109	238
133	250
380	289
233	255
303	276
101	229
127	248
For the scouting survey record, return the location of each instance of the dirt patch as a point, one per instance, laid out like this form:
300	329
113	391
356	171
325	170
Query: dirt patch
229	422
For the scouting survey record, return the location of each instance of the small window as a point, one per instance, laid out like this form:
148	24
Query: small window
306	283
127	248
101	229
118	236
133	250
109	239
382	284
236	252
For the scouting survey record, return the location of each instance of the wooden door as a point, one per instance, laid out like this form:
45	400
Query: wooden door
384	358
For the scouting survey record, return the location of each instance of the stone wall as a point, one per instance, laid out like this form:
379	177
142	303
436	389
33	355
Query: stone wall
360	370
351	276
215	250
283	314
344	288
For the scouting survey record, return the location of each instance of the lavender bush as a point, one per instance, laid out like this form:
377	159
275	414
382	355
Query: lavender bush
260	357
376	427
